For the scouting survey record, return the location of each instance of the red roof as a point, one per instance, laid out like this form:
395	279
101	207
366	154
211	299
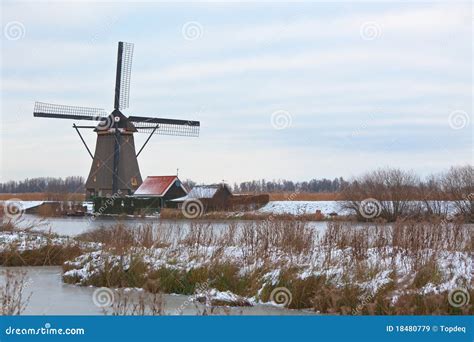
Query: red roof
155	185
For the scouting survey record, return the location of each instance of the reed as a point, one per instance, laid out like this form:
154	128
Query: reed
13	299
325	272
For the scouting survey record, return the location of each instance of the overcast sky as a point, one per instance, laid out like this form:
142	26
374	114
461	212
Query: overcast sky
293	91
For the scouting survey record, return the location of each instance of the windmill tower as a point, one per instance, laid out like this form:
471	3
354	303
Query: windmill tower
114	169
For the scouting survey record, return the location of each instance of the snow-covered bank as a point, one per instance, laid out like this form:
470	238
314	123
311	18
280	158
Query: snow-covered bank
455	268
420	258
27	241
22	241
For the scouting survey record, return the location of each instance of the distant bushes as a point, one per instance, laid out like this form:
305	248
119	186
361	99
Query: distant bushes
284	185
247	202
393	193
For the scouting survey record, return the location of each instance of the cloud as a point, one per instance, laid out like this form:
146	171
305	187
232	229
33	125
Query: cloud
348	97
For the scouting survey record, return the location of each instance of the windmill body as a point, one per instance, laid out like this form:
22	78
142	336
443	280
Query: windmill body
101	175
114	170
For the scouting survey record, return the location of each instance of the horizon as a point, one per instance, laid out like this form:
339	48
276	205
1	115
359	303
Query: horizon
422	178
296	92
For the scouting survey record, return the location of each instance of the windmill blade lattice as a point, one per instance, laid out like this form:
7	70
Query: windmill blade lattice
162	126
49	110
125	69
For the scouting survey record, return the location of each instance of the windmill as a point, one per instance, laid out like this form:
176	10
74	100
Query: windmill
114	167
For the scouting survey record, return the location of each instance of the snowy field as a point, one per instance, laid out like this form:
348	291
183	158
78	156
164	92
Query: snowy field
326	207
302	207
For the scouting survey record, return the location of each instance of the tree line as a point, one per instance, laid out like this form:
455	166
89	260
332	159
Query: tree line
283	185
385	184
71	184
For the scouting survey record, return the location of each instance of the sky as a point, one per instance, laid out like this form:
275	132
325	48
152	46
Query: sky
282	90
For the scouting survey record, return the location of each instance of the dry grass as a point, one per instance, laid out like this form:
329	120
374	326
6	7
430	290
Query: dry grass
51	255
13	300
342	258
121	238
136	303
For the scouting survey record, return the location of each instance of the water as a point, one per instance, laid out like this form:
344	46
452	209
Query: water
73	226
50	296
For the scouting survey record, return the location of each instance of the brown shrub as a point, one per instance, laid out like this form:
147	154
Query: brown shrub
50	255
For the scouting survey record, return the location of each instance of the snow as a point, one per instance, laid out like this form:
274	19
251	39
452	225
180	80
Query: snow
199	192
301	207
212	296
326	207
273	277
383	262
23	241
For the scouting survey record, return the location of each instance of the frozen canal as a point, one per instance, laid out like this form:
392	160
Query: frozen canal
50	296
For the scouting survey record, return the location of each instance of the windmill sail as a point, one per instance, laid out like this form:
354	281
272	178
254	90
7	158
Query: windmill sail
49	110
115	165
122	80
162	126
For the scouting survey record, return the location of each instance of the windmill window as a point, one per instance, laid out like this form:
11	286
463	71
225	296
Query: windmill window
134	181
98	163
95	179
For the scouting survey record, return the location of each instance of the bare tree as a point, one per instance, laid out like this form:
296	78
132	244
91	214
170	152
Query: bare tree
433	197
389	193
458	184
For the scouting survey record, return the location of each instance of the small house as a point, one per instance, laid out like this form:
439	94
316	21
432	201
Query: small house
213	197
149	198
164	188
